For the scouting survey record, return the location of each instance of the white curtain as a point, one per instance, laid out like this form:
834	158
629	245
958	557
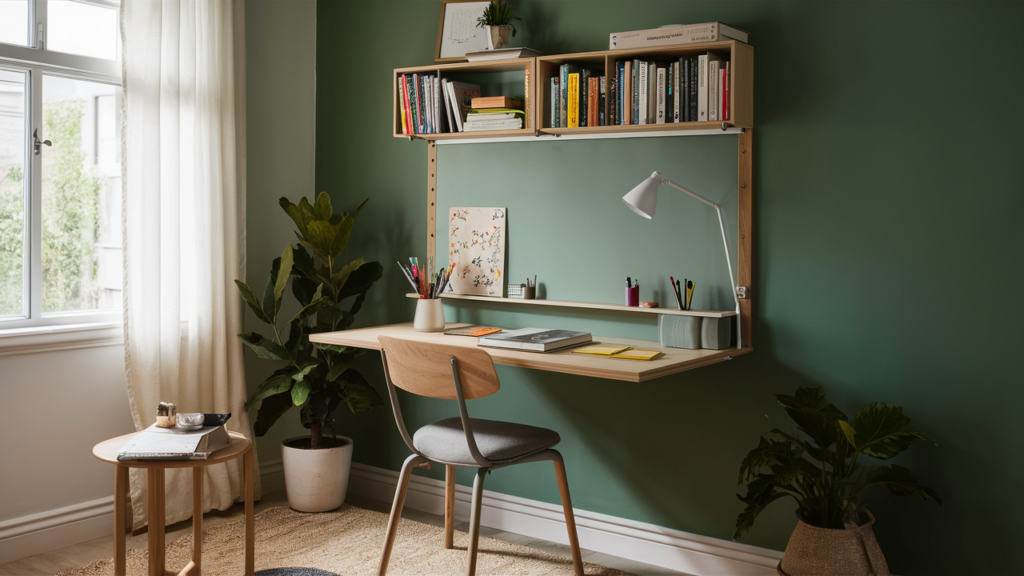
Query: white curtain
184	225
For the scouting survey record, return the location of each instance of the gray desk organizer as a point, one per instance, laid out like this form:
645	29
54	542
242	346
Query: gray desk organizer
679	331
695	332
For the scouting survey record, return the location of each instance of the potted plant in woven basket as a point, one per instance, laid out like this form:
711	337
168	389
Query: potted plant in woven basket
497	19
823	466
315	378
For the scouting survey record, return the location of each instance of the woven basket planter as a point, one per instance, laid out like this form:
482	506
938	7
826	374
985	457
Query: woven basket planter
824	551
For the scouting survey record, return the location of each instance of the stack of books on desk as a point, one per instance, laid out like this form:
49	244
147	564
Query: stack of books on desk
535	339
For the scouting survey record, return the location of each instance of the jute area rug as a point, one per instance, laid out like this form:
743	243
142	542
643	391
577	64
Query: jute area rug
346	541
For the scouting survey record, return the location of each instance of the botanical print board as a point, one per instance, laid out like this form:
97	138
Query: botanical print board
476	245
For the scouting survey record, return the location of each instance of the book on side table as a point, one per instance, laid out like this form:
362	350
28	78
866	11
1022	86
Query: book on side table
155	443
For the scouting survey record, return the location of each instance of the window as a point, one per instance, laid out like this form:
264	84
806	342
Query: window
60	163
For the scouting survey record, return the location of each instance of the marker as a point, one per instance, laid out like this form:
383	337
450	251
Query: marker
629	282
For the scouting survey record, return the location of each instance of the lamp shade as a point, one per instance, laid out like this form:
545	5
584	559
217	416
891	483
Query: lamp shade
644	198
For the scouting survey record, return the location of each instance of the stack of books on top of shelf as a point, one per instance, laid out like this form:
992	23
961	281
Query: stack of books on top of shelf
688	89
432	105
494	113
577	98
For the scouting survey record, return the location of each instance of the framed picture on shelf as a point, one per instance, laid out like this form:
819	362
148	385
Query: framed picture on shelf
457	33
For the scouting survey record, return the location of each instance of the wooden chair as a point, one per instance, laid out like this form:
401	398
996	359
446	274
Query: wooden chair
461	374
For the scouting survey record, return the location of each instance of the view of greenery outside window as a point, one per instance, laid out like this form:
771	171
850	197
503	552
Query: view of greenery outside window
60	166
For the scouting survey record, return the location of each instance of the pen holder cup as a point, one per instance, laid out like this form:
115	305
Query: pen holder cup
429	315
633	296
530	293
679	331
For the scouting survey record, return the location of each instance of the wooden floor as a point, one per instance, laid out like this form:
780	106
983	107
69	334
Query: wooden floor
49	563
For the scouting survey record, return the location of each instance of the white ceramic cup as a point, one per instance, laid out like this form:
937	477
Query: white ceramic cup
429	315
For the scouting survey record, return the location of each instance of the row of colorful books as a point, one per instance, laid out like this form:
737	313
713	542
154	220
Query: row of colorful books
432	105
689	89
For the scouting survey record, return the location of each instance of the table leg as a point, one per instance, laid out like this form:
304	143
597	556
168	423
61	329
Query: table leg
250	525
155	477
120	496
197	521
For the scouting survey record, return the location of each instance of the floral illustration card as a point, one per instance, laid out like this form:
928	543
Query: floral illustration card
476	244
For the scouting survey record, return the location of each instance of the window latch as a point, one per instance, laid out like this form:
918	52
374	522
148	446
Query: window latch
36	144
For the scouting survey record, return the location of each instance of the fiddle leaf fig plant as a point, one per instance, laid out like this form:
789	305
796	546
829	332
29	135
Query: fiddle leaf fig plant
316	378
497	13
823	463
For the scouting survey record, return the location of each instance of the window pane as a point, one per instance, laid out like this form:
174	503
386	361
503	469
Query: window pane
13	290
81	195
14	22
84	29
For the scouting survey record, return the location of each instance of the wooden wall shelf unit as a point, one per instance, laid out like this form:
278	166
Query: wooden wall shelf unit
587	305
538	73
526	65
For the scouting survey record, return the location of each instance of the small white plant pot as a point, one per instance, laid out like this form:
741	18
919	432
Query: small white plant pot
316	480
497	37
429	315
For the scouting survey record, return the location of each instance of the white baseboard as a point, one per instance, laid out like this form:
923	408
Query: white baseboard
53	529
664	547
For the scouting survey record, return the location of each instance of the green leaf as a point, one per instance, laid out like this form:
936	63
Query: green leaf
882	431
278	382
360	209
301	214
268	288
358	393
336	370
814	414
301	374
331	348
272	408
282	277
361	279
250	299
322	209
300	391
339	278
899	482
304	265
264	348
311	308
767	453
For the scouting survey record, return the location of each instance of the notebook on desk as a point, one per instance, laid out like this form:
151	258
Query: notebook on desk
535	339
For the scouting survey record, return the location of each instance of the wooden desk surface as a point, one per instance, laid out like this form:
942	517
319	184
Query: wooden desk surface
671	361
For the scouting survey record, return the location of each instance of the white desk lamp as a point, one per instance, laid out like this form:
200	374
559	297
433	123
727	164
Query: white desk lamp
644	200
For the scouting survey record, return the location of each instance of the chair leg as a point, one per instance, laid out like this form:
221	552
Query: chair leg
474	520
449	507
396	511
570	519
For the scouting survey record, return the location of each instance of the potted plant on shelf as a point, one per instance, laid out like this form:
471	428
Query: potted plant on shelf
497	19
822	466
315	378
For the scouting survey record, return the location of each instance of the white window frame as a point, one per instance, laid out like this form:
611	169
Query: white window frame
36	61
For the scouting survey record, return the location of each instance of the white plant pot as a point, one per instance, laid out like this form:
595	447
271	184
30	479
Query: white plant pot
497	37
316	480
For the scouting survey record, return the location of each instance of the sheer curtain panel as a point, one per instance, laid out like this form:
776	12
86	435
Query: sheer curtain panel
184	225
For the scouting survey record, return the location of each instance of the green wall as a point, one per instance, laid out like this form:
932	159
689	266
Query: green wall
885	138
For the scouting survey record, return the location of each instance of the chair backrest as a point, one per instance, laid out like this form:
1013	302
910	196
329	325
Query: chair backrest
426	369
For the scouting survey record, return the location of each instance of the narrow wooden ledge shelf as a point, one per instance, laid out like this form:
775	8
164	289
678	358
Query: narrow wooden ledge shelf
588	305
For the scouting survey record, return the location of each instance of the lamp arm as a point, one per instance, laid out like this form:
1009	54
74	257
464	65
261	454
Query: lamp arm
732	280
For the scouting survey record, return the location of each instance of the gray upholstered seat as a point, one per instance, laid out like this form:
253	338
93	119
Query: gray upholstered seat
444	441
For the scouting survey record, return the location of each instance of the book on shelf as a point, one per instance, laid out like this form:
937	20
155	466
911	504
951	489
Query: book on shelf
573	101
584	97
563	95
672	35
602	100
535	339
496	102
156	443
526	97
502	54
432	105
666	91
554	119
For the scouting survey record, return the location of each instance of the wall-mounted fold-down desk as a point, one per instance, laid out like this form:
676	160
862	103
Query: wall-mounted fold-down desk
671	361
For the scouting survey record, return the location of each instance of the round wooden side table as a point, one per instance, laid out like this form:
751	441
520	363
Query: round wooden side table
107	451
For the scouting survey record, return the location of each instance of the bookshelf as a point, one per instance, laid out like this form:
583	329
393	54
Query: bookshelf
536	74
